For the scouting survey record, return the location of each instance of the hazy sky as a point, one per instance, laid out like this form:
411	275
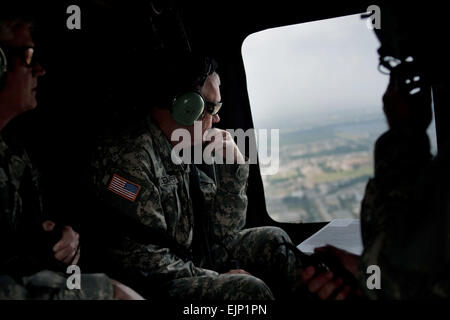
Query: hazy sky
313	67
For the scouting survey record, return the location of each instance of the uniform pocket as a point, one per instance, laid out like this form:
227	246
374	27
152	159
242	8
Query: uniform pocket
171	205
208	189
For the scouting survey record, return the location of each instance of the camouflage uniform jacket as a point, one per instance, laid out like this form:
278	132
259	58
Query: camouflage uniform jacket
20	210
160	202
405	218
28	269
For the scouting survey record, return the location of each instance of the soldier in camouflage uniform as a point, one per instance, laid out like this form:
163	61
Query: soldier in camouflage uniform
25	246
405	210
405	213
33	258
155	239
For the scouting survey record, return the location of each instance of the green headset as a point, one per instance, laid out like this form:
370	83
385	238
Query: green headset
189	106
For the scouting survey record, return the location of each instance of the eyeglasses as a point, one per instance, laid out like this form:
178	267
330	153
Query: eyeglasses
26	54
212	108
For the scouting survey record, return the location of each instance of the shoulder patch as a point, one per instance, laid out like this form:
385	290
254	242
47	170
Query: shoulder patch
124	188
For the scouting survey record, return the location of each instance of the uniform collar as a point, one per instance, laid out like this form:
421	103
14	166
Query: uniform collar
163	146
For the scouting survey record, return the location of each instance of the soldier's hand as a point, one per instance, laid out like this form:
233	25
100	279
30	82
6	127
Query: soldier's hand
66	250
224	145
324	285
348	260
403	110
237	271
122	292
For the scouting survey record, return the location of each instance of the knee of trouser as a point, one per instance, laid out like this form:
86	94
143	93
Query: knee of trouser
251	288
276	233
261	287
11	290
279	248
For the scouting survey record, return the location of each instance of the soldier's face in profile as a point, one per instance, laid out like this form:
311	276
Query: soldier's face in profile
211	92
19	92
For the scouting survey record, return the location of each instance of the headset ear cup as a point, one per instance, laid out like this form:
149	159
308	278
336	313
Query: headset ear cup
3	68
187	108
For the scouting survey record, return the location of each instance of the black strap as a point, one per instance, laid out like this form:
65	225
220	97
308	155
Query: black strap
200	245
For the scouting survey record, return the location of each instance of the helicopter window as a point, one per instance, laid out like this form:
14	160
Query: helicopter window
318	84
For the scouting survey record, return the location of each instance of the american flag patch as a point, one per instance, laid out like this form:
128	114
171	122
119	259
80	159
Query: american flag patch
124	187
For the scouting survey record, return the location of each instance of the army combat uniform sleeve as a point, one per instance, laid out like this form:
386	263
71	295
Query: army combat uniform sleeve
228	215
22	241
26	257
403	218
149	209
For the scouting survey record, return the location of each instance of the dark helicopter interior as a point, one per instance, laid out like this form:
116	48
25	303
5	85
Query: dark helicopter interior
99	76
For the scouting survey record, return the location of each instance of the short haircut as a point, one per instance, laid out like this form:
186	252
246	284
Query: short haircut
9	27
178	74
13	17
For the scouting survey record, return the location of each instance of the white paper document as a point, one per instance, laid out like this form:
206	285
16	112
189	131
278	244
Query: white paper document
342	233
